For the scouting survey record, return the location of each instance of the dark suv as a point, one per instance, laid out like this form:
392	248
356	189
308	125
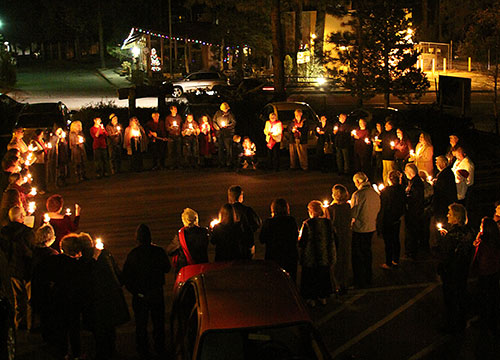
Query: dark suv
43	116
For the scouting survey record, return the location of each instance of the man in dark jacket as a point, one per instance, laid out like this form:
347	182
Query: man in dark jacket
224	124
245	215
16	242
388	141
343	142
144	276
155	129
414	211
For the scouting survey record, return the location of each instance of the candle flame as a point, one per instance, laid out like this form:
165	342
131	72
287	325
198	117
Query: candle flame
80	139
118	128
393	144
49	145
99	245
31	207
367	140
326	203
354	133
335	128
439	226
214	222
381	187
46	218
68	211
33	191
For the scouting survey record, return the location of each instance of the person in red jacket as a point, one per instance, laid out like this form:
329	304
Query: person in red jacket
99	134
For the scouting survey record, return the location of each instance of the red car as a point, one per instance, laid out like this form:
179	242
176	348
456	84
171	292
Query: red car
241	310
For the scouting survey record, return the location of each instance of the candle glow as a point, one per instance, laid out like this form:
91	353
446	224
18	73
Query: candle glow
99	245
68	211
393	144
439	226
326	203
31	207
335	128
367	141
214	222
135	133
46	218
33	191
80	139
354	133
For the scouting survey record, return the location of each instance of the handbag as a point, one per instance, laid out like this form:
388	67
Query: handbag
328	147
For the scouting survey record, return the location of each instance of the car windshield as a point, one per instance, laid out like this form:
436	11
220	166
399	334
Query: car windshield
277	343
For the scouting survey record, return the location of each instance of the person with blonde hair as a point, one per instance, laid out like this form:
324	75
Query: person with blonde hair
339	211
317	255
135	142
424	152
224	125
190	245
77	147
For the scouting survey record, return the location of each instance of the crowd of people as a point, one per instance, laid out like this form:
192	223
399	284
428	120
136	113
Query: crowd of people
60	281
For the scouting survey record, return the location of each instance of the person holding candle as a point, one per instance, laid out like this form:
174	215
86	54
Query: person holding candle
486	266
342	131
388	141
424	152
206	140
135	142
280	235
190	245
18	143
39	167
455	252
99	145
224	124
157	134
365	205
463	168
10	198
339	211
228	237
392	209
62	224
77	147
324	143
190	132
104	306
115	142
403	149
247	155
414	216
377	152
173	125
298	131
317	255
144	277
273	131
58	157
362	148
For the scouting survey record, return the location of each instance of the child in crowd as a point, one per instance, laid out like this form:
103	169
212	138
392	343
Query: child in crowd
237	150
247	155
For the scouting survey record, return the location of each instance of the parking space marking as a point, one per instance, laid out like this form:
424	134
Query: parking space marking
396	287
385	320
347	303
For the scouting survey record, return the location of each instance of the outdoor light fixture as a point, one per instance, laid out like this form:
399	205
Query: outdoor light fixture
320	81
136	51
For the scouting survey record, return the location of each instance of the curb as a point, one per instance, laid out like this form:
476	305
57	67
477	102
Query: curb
99	73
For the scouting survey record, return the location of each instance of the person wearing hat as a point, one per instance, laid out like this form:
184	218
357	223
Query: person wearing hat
190	245
224	124
115	140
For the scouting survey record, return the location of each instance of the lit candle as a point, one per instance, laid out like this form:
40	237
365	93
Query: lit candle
33	191
68	211
354	133
174	123
99	244
381	187
439	226
80	139
223	123
412	153
318	129
25	179
214	222
31	207
349	202
135	133
30	177
46	218
367	141
376	138
335	128
429	178
31	147
248	152
375	188
118	128
49	145
393	144
63	134
191	126
326	203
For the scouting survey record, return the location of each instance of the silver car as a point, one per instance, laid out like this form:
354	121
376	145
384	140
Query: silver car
201	80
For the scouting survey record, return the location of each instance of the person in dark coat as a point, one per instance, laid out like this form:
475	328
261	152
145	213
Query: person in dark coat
388	142
486	265
455	250
414	220
362	148
17	243
157	134
339	211
317	255
244	215
342	140
224	124
297	133
280	235
194	248
392	209
144	276
228	237
41	290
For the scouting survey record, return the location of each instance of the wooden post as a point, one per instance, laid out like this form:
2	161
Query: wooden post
444	65
148	56
131	102
162	43
469	64
433	65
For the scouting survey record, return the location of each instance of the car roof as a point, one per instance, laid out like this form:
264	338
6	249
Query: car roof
246	295
43	108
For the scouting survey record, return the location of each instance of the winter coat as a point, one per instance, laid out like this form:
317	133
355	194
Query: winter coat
317	243
17	244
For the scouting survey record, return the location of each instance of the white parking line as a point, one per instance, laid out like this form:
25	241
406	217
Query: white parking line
346	304
384	321
394	287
